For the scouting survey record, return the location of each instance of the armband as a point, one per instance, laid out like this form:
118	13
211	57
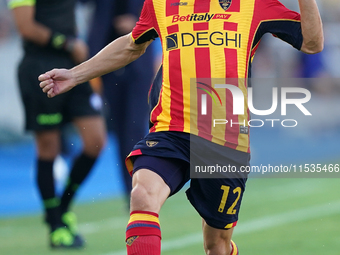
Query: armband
60	41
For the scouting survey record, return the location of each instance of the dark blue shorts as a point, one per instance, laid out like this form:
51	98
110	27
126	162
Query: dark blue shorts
169	154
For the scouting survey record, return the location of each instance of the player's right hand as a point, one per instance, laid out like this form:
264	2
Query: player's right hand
56	82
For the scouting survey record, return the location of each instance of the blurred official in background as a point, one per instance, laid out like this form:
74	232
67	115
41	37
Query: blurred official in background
49	40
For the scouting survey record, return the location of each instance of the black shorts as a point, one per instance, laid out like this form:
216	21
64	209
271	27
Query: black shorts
168	154
43	113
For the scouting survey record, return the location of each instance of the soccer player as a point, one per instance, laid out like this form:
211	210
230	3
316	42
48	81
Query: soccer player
201	40
49	40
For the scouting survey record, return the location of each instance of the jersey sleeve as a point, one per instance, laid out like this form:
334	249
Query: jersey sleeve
145	27
18	3
282	23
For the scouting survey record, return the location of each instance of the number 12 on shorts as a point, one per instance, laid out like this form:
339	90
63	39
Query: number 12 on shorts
225	195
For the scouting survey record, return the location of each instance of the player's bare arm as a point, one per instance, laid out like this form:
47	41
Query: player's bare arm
114	56
311	26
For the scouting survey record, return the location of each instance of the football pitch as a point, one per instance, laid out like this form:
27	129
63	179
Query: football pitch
278	216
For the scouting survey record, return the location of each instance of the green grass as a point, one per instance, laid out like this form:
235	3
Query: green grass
278	216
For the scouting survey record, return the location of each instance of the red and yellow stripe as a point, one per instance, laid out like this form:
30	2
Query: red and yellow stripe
183	65
234	248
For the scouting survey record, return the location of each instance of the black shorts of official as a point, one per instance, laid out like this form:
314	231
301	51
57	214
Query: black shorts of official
168	154
43	113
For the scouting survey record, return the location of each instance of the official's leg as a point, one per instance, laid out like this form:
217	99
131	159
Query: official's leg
45	117
48	145
93	134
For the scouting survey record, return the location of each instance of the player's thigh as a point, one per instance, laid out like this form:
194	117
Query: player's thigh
149	191
155	179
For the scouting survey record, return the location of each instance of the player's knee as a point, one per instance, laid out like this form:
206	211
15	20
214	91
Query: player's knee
217	246
144	198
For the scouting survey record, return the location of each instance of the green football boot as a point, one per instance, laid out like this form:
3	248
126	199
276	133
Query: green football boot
63	238
70	221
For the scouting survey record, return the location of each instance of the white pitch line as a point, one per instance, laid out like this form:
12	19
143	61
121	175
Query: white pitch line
258	224
108	224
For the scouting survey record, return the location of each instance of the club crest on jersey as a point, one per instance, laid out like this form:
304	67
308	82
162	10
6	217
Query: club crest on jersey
130	240
225	4
171	42
151	143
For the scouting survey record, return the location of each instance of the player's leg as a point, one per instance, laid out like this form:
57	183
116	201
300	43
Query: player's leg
93	134
218	202
154	179
143	234
218	241
218	198
149	191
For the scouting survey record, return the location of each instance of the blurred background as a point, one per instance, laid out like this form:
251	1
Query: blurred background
279	216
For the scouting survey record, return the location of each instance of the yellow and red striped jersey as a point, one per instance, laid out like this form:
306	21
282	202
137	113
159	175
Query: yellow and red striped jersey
204	41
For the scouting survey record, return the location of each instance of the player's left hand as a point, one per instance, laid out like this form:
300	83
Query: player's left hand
56	82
